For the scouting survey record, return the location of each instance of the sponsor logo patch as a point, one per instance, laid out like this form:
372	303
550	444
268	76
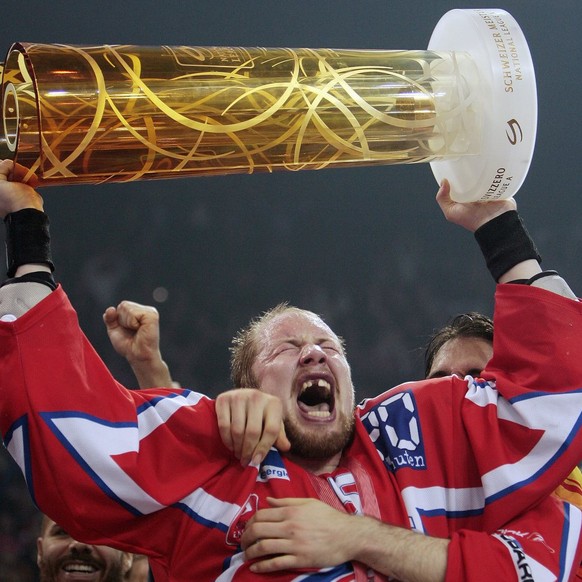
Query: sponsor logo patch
272	468
394	427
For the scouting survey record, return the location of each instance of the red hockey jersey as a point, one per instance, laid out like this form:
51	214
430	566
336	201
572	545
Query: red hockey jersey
474	461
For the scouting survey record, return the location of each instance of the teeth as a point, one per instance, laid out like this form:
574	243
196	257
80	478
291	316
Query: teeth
79	568
319	413
320	382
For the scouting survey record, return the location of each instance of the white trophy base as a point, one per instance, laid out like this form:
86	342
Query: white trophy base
498	47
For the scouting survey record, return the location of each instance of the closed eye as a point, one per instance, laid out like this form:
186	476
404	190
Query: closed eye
329	345
330	348
287	346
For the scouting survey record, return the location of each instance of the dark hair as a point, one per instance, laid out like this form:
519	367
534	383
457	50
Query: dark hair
471	324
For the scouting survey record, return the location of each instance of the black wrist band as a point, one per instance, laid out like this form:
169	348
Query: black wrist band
533	279
27	239
41	277
505	242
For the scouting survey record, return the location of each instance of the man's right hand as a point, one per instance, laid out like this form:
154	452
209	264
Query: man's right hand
16	193
250	423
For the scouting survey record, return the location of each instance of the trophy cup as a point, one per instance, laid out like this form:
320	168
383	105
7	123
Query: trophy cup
95	114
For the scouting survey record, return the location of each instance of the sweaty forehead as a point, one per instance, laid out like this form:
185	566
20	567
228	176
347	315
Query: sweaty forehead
296	325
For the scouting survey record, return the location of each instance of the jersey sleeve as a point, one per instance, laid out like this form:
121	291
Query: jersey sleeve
536	370
542	545
103	454
537	344
475	453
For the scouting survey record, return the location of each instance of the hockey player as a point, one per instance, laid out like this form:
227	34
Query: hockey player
417	485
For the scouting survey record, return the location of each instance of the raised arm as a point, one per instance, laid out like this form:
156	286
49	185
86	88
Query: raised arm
134	332
107	463
132	328
509	251
516	254
27	242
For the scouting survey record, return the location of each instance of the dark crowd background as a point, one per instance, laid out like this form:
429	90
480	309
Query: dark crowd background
365	247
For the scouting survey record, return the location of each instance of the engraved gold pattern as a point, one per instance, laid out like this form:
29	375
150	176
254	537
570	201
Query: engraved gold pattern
120	113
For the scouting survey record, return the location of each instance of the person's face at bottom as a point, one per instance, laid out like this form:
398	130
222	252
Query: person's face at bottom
301	361
461	356
60	558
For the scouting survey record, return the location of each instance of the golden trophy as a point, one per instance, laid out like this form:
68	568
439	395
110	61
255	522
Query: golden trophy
96	114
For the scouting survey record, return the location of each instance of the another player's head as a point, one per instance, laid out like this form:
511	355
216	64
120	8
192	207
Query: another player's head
463	346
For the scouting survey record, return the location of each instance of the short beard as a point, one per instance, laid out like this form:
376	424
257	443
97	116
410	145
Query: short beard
308	444
49	572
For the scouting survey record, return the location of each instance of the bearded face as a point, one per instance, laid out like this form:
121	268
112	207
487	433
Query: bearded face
315	444
302	362
71	568
61	558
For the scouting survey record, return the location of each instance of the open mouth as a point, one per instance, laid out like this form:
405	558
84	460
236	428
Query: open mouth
316	398
79	567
